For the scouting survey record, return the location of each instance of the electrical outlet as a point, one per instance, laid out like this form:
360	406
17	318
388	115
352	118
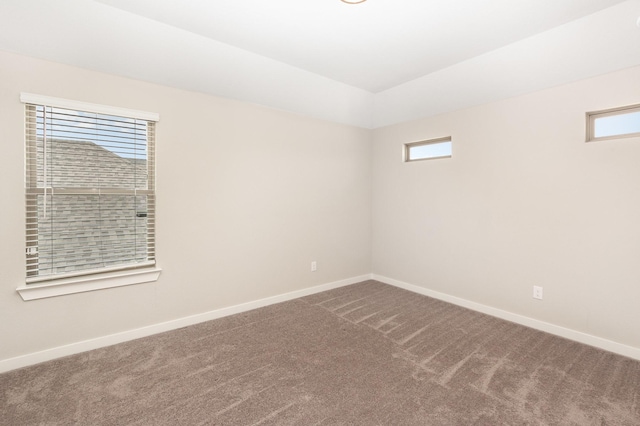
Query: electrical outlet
537	292
314	266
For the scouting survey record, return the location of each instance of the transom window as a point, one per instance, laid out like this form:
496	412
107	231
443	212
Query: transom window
428	150
613	123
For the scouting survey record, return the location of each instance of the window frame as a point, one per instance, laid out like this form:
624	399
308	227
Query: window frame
95	279
408	146
592	116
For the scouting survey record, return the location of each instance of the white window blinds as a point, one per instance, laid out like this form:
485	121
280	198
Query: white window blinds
90	192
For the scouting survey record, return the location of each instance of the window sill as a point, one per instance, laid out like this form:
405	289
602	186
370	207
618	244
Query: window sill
88	283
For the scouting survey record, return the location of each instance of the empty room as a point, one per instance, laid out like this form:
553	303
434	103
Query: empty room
320	212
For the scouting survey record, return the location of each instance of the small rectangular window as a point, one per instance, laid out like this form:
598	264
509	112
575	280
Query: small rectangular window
613	123
428	150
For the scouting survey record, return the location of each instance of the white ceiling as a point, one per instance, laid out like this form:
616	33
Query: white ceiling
369	65
373	45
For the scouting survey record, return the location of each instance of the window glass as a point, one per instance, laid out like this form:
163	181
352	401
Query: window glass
430	149
613	123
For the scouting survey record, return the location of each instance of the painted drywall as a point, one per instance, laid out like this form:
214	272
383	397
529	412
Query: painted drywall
561	55
121	43
247	197
524	201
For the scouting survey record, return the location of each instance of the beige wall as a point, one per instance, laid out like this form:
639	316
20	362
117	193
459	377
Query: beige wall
247	198
524	201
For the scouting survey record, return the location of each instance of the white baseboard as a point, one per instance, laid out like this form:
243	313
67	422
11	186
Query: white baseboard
112	339
587	339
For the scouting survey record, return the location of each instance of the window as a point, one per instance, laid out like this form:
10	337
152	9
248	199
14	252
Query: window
428	150
90	189
613	123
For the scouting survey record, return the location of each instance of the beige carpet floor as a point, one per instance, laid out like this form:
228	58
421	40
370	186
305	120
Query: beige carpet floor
366	354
